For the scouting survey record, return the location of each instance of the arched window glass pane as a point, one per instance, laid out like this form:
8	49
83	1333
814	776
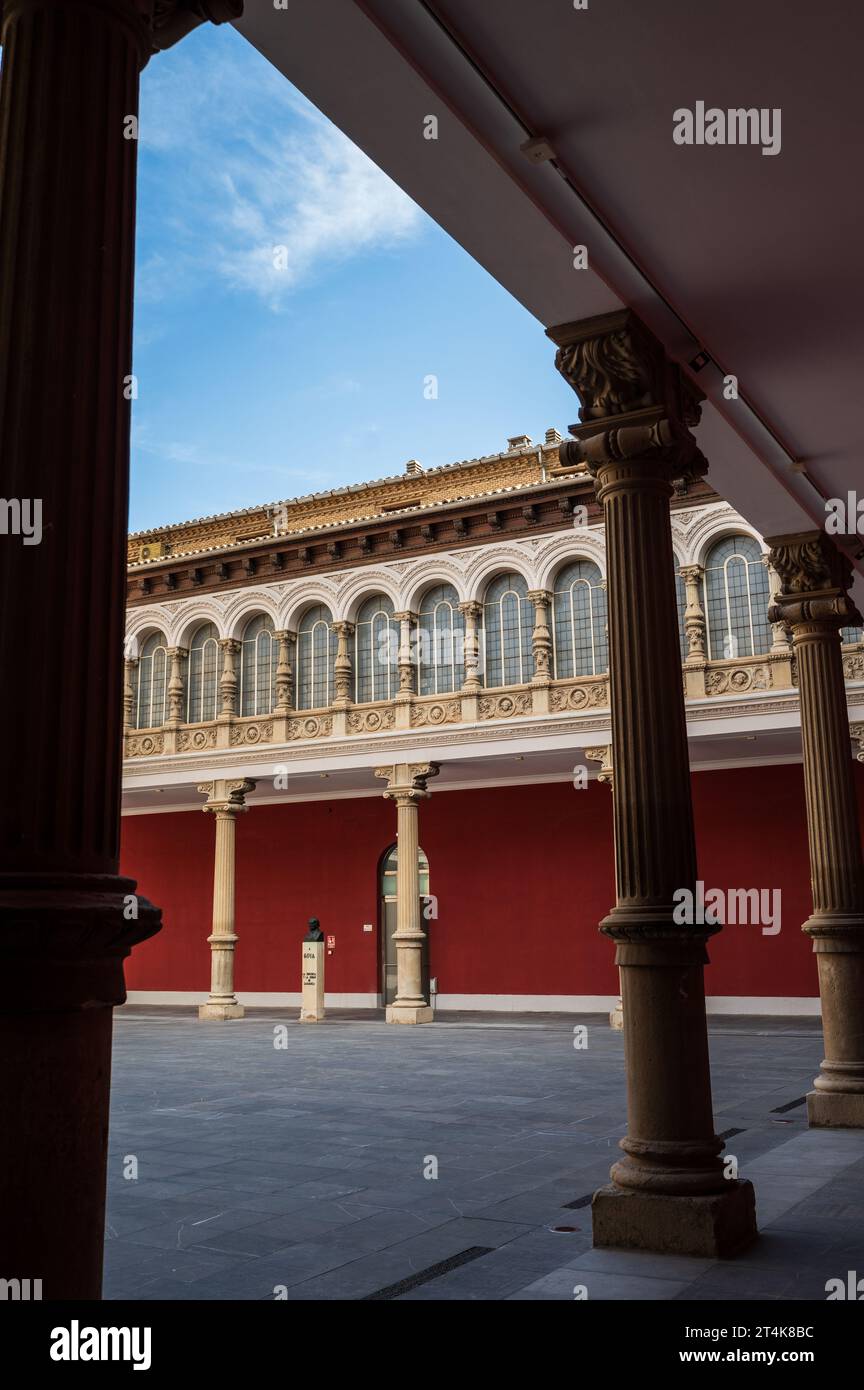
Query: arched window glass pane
736	599
508	622
389	870
579	636
440	642
376	651
681	601
316	656
259	655
205	668
152	675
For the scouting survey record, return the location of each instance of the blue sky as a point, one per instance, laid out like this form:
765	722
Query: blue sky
259	381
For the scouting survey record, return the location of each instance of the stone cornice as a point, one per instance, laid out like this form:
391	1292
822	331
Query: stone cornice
463	524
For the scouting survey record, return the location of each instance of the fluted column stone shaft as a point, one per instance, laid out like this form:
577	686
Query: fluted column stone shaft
226	800
813	600
406	785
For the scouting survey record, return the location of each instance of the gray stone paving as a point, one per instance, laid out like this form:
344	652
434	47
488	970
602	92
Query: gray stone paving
301	1168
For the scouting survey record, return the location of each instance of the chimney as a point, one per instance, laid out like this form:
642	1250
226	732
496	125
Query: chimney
519	441
553	437
414	466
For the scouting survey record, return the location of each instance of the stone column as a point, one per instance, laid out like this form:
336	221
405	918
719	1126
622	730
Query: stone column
472	613
694	614
406	785
541	638
603	756
130	666
284	671
668	1193
541	643
694	630
343	675
226	800
175	688
68	93
407	669
228	679
814	601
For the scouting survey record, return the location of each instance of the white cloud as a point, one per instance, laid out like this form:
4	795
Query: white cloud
244	180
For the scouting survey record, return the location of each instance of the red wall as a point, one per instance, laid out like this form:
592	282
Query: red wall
522	876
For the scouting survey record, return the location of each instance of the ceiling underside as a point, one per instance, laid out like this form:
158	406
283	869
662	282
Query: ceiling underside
751	257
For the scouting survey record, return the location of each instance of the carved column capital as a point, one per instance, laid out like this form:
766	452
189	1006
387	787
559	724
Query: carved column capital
814	581
603	756
635	402
472	608
226	796
407	781
169	21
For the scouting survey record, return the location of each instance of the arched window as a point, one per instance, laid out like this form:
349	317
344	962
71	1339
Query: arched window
151	680
579	621
736	599
440	642
852	636
259	654
205	668
316	654
508	622
376	651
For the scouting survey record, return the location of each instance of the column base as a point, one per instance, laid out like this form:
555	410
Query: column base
717	1226
835	1110
409	1013
221	1011
311	1018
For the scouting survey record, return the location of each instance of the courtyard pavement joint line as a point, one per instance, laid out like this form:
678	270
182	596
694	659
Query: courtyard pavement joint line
424	1276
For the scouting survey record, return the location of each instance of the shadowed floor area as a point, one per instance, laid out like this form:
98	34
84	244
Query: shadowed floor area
275	1160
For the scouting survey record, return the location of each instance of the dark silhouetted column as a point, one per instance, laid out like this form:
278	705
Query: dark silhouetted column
68	107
